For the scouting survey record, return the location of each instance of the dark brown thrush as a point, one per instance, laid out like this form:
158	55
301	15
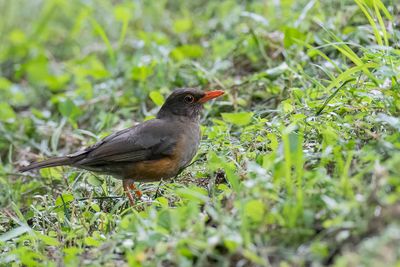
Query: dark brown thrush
150	151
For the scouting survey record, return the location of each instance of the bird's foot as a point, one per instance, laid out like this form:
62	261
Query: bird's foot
129	185
138	193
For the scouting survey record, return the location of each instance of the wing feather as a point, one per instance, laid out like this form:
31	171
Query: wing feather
152	139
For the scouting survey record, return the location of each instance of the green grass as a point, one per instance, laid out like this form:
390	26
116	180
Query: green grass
299	161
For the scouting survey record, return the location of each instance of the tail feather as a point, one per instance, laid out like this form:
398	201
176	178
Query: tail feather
52	162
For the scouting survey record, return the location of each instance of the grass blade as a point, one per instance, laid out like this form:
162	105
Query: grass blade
100	31
381	23
371	21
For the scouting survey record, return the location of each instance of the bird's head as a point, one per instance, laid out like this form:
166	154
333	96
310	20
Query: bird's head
186	103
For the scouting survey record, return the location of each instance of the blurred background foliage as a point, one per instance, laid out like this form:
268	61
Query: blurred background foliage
299	163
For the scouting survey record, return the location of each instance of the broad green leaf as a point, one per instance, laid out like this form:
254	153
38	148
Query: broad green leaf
50	241
240	118
92	242
71	255
232	176
273	141
56	83
89	66
287	106
84	89
197	194
7	113
141	73
69	110
95	207
17	37
4	84
231	244
37	70
54	173
122	13
93	180
162	201
187	52
182	25
254	210
291	35
66	197
157	98
164	219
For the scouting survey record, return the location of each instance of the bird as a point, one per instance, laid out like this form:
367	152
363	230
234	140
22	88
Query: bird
150	151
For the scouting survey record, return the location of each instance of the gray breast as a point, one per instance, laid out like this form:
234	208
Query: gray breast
191	141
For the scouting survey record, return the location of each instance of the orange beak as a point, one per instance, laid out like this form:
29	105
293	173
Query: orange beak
211	95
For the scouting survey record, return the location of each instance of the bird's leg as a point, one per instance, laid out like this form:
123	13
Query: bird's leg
126	185
158	187
138	193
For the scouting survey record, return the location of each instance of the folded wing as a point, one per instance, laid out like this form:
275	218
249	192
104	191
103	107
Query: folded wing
146	141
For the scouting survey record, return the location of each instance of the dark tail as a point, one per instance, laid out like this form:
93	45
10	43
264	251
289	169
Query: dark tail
52	162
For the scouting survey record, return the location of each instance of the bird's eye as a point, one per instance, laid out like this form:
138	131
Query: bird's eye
189	99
